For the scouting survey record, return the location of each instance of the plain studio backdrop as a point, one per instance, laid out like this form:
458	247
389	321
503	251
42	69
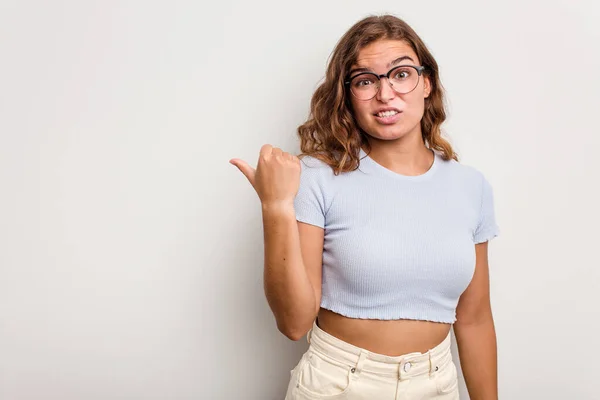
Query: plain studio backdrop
131	253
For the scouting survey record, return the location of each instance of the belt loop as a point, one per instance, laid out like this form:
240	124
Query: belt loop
359	364
430	364
310	331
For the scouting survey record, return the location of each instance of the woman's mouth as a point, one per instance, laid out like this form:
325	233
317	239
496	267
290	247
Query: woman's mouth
388	117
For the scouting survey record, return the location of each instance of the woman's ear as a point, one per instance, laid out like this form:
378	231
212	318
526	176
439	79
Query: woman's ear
426	86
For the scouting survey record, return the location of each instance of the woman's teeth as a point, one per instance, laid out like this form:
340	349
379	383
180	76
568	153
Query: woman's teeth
386	114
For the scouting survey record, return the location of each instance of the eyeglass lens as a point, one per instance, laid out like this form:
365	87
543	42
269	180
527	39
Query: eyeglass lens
402	79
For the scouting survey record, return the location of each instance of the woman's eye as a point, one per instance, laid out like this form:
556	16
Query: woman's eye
402	75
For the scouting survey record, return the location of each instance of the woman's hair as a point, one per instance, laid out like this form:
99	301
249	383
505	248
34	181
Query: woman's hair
331	132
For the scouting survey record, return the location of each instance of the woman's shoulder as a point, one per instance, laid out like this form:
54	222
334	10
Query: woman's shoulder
463	170
312	161
465	176
312	165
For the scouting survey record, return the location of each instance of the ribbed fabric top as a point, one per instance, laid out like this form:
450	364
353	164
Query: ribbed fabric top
396	246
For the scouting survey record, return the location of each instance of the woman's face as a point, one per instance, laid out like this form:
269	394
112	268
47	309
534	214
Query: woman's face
403	111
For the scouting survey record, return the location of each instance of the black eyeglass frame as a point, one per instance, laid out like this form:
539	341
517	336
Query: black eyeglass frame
418	68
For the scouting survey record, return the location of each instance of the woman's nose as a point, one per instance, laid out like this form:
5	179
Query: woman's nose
386	90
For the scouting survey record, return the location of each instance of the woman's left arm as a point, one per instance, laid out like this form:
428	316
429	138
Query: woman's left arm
475	332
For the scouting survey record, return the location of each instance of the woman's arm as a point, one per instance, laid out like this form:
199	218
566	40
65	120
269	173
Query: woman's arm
292	274
293	250
475	332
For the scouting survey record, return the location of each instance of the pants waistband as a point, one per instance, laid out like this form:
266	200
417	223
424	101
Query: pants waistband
406	365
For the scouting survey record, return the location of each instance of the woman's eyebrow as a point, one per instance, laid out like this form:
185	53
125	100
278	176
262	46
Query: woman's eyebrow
396	61
358	69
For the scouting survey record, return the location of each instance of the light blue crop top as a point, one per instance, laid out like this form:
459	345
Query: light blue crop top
396	246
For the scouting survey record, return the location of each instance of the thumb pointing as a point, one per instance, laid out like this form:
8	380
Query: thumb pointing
246	169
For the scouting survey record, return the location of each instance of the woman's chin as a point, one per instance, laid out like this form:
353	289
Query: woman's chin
388	135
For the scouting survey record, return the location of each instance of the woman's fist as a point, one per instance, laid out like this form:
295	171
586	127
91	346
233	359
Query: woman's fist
276	178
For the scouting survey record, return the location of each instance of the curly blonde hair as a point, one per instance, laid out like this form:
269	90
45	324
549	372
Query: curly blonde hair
331	132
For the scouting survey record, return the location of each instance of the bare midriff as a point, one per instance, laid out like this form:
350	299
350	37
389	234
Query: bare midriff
389	337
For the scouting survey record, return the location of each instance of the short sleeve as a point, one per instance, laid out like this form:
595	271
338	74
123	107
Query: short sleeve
310	202
487	228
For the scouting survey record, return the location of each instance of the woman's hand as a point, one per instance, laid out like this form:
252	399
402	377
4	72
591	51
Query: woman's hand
276	178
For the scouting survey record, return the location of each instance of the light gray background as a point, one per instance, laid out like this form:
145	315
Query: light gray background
131	251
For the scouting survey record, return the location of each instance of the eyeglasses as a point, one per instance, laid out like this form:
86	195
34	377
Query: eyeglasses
403	79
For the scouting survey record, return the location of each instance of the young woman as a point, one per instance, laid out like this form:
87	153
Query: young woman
376	237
